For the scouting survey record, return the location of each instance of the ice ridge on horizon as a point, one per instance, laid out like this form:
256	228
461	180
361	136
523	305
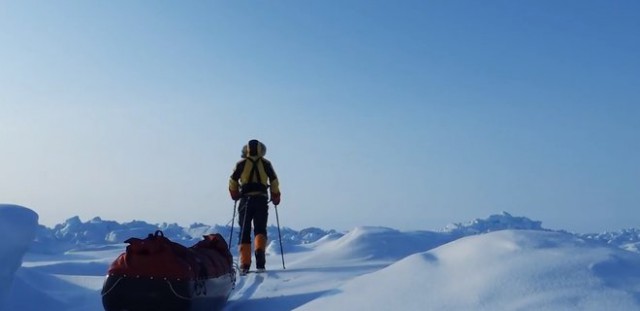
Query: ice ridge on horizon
74	233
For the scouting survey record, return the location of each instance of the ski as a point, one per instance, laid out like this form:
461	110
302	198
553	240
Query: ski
243	273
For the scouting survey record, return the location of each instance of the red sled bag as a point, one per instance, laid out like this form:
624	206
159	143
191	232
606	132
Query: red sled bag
157	274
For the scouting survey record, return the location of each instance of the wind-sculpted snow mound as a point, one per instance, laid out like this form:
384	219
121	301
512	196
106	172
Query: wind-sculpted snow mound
505	270
377	243
17	228
380	243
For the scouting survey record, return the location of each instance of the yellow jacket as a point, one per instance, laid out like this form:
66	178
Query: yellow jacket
254	175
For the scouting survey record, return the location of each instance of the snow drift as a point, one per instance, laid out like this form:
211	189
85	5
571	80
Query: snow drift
17	229
505	270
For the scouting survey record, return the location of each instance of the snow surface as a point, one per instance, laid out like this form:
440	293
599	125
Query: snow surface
498	263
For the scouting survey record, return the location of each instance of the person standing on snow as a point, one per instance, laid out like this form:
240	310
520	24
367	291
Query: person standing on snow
252	179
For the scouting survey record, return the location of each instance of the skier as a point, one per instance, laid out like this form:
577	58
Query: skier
252	179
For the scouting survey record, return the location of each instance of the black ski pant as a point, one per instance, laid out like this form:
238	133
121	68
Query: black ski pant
252	209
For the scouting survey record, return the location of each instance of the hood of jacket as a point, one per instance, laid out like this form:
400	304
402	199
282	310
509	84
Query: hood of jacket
255	149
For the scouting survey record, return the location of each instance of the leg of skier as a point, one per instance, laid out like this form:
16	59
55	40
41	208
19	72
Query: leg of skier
261	215
244	219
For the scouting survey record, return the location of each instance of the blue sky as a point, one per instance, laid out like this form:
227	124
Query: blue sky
410	114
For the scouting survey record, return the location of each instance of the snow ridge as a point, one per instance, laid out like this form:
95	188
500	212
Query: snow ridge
76	234
502	221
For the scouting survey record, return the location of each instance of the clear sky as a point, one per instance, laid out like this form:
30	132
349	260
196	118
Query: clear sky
406	114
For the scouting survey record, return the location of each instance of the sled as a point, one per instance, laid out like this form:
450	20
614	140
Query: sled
158	274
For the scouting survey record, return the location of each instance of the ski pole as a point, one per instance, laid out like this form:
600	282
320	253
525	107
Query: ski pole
235	203
280	237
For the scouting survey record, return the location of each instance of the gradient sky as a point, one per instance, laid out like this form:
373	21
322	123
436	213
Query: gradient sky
405	114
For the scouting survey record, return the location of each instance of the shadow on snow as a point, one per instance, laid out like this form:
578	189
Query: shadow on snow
276	303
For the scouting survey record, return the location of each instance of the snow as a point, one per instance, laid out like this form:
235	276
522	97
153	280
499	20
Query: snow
17	229
501	262
506	270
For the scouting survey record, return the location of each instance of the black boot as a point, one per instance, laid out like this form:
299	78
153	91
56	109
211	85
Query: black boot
260	259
